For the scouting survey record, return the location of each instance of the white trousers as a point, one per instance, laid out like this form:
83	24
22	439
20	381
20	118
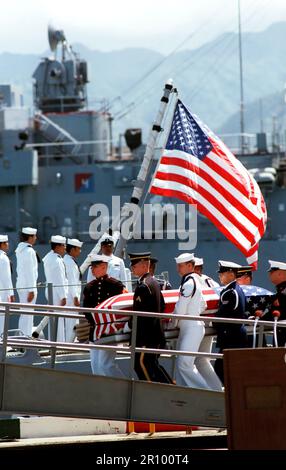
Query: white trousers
103	363
69	324
61	335
190	371
205	367
26	322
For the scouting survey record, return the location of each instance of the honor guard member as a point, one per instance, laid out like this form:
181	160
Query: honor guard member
6	286
244	278
164	284
101	288
244	275
27	275
148	298
203	363
231	305
116	267
192	371
55	274
73	250
277	275
205	280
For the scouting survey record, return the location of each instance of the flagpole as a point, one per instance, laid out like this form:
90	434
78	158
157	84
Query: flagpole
138	190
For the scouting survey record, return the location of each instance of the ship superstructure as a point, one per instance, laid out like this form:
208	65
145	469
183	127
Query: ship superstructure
66	161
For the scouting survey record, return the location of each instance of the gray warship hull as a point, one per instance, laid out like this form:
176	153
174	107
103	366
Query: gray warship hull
66	162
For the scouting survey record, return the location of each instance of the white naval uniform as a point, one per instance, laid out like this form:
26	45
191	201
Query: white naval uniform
190	302
203	364
74	290
5	283
116	269
207	281
27	276
55	273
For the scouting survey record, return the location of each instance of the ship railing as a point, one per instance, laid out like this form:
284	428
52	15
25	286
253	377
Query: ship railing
265	142
57	312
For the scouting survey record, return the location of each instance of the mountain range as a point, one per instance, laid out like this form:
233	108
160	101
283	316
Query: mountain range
207	78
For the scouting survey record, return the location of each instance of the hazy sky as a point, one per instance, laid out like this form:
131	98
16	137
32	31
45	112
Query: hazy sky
115	24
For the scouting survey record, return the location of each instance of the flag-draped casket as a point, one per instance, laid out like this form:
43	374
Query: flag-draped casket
109	324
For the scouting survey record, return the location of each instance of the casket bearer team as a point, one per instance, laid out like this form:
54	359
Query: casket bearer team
192	371
232	304
148	298
99	289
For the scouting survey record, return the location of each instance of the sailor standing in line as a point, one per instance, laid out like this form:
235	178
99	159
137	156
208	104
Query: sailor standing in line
148	298
191	302
27	275
116	268
73	250
206	281
277	275
231	305
55	274
6	286
99	289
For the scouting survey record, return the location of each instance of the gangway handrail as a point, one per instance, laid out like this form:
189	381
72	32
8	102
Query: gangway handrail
35	344
171	315
61	311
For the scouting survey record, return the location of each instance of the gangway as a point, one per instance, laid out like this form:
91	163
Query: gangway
30	390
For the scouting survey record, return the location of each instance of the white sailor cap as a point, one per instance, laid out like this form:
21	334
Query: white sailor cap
74	242
224	266
29	231
58	239
107	240
276	265
185	258
97	259
3	238
199	261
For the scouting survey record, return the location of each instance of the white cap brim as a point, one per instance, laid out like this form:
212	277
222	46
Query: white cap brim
58	239
29	231
277	265
74	242
185	258
100	258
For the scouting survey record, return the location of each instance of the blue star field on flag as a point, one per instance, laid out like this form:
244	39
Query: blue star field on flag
187	135
257	298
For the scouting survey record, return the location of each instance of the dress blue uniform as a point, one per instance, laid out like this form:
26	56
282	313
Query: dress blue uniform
280	304
231	305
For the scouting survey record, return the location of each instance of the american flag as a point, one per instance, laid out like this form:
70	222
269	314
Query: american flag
257	298
108	324
199	169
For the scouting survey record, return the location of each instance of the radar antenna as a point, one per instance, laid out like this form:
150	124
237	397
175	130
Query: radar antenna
55	36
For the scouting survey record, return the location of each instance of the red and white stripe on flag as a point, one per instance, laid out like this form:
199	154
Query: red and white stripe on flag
199	169
109	323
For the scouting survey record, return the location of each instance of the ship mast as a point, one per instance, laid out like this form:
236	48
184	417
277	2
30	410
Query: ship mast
242	144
